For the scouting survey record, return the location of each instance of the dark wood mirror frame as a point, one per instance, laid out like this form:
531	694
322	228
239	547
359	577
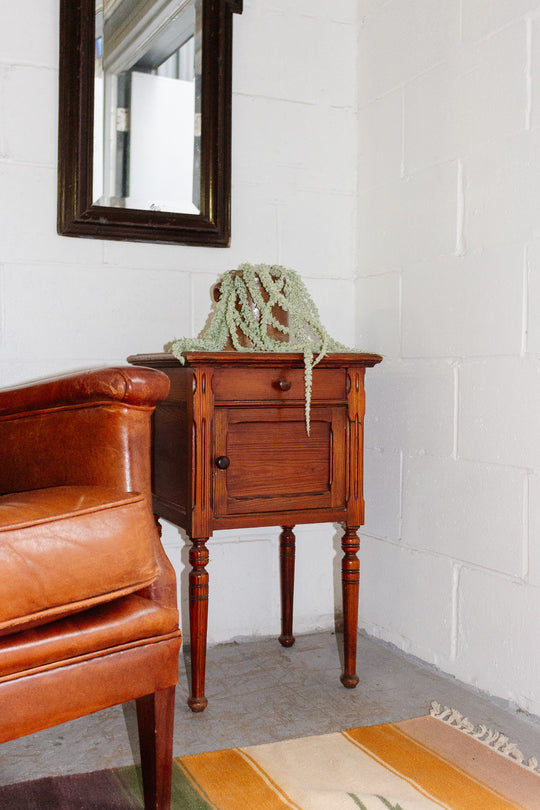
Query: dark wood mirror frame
77	216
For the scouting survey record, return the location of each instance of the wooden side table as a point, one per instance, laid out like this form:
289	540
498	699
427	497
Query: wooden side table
231	451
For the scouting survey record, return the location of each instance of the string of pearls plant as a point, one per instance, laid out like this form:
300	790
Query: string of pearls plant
245	311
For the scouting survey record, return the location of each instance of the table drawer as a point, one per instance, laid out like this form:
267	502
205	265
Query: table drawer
281	384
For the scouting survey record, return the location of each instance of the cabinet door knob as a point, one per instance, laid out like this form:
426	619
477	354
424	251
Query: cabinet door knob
222	462
283	384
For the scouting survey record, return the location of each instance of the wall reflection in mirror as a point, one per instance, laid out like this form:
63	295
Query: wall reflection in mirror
147	105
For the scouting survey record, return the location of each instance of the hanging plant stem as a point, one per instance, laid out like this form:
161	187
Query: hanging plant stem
245	318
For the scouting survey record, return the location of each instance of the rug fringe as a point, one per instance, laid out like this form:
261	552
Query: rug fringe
494	739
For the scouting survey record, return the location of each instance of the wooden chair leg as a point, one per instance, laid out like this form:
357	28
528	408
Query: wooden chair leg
155	718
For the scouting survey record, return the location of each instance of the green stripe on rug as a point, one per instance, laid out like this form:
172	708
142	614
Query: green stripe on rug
385	802
388	805
130	781
357	801
183	794
187	793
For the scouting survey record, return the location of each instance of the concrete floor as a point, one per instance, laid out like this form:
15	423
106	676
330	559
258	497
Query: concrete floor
259	692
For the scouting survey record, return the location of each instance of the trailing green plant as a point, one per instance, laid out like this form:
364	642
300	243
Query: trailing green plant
244	317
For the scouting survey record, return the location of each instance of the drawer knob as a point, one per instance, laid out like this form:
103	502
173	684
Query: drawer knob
222	462
283	384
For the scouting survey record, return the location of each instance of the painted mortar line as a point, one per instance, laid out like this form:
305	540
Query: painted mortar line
455	448
528	71
278	224
525	550
462	563
460	210
525	303
28	64
400	313
452	358
356	203
2	304
192	303
402	167
3	78
266	97
400	518
454	638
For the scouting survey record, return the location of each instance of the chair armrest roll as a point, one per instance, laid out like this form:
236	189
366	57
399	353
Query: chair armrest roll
91	428
129	385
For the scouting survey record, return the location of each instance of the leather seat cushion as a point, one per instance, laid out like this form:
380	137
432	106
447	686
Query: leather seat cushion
125	622
65	549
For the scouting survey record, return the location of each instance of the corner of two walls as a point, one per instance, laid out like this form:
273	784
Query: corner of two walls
448	289
294	203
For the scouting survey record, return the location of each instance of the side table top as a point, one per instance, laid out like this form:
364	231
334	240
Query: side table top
248	358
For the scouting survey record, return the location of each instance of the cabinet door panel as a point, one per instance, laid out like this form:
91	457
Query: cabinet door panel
274	465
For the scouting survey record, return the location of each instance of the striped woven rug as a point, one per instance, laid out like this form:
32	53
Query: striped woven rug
437	761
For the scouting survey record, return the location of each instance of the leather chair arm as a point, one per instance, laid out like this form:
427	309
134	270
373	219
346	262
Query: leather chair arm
91	428
130	385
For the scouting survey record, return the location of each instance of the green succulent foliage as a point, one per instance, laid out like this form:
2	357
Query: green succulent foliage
242	307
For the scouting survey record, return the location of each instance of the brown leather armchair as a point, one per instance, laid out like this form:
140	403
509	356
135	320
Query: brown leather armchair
88	614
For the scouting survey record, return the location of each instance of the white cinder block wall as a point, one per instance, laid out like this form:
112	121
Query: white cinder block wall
448	289
67	304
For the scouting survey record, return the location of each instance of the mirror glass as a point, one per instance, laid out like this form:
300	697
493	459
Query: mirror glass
147	104
144	137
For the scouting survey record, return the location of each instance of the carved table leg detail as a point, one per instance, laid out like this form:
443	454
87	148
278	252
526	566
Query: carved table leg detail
350	579
287	552
198	620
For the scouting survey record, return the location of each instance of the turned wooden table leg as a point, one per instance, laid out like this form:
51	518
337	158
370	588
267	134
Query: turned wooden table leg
198	621
287	551
350	579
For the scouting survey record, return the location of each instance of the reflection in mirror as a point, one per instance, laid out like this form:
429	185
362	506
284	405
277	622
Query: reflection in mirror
145	120
147	104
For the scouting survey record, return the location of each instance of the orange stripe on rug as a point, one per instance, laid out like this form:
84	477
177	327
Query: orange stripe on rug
230	780
431	773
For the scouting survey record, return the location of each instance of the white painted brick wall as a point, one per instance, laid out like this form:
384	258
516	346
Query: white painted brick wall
378	313
67	304
448	285
464	510
498	614
440	295
395	604
383	470
411	219
411	407
499	411
400	40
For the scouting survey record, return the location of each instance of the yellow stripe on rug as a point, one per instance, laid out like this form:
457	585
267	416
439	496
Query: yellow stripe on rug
230	780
